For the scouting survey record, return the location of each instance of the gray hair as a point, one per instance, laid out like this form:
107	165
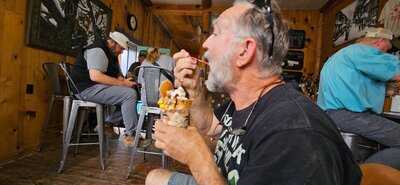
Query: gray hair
254	23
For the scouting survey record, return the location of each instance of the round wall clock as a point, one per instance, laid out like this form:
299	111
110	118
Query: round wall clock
132	22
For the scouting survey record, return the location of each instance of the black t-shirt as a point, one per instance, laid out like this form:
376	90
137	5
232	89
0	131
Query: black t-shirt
289	141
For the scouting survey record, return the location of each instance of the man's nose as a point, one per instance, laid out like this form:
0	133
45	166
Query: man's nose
205	44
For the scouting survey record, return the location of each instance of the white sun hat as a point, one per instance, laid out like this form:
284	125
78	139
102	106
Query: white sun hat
120	38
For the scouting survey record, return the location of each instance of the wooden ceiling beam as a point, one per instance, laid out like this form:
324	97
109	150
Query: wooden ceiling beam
184	10
166	29
147	3
328	5
206	23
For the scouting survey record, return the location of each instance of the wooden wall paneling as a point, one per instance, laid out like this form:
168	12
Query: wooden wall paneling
142	27
147	34
158	35
139	11
118	12
151	31
318	64
7	147
37	103
161	35
172	47
17	6
10	114
20	7
2	26
31	57
165	41
9	4
309	22
163	38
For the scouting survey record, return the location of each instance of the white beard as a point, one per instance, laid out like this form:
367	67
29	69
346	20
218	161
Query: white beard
220	72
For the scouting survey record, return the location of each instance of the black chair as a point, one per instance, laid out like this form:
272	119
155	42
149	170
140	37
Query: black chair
360	147
56	94
71	116
152	76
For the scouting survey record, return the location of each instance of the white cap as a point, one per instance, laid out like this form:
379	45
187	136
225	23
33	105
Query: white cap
119	38
379	33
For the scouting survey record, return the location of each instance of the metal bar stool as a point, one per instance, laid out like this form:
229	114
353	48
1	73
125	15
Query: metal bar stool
68	127
360	147
56	94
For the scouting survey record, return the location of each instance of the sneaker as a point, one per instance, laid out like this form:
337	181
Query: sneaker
144	143
109	131
128	140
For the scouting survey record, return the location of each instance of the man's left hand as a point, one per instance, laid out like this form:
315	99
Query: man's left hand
182	144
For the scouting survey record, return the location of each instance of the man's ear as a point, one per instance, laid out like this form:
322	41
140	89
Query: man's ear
381	44
247	50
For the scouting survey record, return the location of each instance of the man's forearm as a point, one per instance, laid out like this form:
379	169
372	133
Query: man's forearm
108	80
201	115
205	171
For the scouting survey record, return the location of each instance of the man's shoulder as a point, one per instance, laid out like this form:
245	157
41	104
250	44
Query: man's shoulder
96	50
292	110
353	49
360	49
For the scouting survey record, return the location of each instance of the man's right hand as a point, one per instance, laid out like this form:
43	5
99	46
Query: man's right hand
100	77
186	74
128	82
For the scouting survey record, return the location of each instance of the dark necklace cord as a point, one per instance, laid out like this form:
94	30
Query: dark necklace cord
243	129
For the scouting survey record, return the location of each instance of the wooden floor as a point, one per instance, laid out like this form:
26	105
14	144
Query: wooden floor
83	168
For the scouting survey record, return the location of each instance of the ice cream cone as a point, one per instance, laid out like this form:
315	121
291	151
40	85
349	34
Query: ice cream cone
175	106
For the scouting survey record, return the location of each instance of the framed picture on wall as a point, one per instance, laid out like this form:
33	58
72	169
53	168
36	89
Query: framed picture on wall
91	21
297	39
48	26
63	26
352	20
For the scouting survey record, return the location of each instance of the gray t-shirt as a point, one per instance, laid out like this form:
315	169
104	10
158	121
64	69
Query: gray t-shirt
96	59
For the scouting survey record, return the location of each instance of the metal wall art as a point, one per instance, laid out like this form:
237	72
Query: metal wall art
64	26
352	20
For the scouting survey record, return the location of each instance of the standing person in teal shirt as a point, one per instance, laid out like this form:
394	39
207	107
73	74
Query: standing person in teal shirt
352	91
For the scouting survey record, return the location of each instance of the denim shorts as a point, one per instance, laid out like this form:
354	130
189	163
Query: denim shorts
181	179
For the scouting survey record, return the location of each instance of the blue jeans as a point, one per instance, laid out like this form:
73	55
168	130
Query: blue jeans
373	127
115	95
